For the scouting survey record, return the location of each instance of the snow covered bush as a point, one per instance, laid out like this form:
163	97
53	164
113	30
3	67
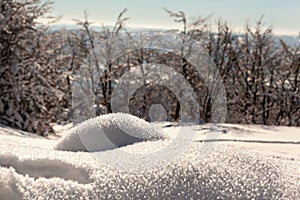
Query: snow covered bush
31	78
108	132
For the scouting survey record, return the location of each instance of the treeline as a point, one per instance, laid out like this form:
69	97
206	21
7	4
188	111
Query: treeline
38	66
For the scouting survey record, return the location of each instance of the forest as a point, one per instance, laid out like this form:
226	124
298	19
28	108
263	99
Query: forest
39	66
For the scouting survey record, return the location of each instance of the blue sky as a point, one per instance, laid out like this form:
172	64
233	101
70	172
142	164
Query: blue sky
283	15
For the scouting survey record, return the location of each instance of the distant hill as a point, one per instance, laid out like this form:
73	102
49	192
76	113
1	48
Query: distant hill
291	40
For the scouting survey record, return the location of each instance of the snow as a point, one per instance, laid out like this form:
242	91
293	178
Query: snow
281	141
108	132
30	167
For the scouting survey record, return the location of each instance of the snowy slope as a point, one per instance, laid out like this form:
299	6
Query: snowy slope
278	141
30	168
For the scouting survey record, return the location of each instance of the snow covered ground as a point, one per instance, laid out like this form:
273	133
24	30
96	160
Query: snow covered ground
248	161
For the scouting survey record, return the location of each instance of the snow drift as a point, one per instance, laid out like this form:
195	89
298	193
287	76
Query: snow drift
108	132
224	174
30	168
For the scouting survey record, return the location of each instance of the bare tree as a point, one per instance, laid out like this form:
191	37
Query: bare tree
97	73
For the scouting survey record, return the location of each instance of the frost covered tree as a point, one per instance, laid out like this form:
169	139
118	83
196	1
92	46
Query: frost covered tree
30	73
259	71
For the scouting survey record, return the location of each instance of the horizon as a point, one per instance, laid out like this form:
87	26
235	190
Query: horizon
282	16
134	28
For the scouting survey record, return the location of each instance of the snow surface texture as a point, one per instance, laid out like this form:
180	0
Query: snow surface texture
108	132
30	168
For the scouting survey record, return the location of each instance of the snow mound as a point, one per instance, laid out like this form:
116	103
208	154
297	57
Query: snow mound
30	168
224	174
108	132
36	168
